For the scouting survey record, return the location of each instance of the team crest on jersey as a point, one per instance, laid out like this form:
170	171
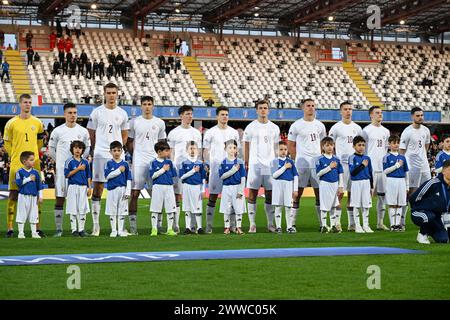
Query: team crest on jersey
33	128
79	137
154	128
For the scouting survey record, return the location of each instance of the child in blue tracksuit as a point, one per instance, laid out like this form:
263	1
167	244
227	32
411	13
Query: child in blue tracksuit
360	168
118	175
430	207
193	179
28	181
444	155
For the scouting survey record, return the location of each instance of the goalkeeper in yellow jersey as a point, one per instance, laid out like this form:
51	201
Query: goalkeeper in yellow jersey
22	133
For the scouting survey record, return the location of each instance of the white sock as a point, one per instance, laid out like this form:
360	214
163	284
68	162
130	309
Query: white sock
160	220
113	222
351	218
355	215
73	222
319	216
81	222
33	228
132	218
154	220
176	218
399	215
323	218
269	214
404	211
121	224
338	214
170	220
193	224
252	213
210	216
198	219
59	213
96	207
239	220
392	216
381	209
21	227
226	220
232	220
365	213
187	219
278	214
333	217
294	212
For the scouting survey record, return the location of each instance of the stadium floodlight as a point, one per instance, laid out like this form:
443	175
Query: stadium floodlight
256	8
256	14
402	21
5	2
93	6
177	10
330	18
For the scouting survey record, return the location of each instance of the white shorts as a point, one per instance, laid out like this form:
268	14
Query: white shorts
347	178
61	186
192	198
379	182
361	196
141	176
215	183
229	202
328	195
163	196
396	191
27	208
258	177
417	177
115	204
306	177
282	192
77	200
98	169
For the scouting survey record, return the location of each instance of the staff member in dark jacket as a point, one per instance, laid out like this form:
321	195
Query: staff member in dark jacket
430	205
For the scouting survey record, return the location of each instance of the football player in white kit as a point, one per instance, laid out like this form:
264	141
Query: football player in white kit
214	153
107	123
59	150
414	144
145	131
261	139
304	139
177	140
376	137
343	133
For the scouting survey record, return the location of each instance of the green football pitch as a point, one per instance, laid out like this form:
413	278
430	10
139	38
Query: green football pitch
410	276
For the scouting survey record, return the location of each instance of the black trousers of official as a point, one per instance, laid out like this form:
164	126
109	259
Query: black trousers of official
430	224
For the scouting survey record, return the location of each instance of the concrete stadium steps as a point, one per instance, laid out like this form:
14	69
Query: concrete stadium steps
18	73
362	84
200	80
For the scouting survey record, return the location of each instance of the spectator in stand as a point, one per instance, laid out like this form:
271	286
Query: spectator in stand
68	45
166	44
95	68
119	57
209	102
162	62
167	68
177	42
69	57
52	38
56	66
127	62
59	29
73	67
111	58
65	67
123	70
61	45
101	69
67	29
280	104
171	61
135	99
78	29
61	56
29	38
9	47
37	57
30	56
177	64
109	71
88	69
118	69
5	69
80	68
83	57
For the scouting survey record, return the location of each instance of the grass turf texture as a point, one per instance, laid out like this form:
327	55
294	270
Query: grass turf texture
422	276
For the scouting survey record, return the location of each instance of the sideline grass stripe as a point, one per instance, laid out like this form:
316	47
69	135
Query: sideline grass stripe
199	255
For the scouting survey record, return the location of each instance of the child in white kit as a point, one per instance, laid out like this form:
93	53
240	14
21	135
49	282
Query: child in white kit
78	175
232	172
193	178
118	175
284	187
30	194
397	182
163	172
331	174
